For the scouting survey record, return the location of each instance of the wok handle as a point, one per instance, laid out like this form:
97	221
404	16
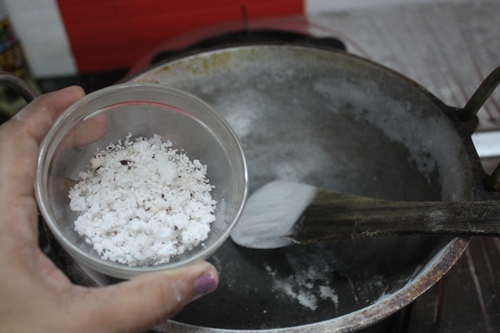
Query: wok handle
19	86
474	105
481	95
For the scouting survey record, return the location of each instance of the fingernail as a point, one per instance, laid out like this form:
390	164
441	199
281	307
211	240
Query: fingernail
205	284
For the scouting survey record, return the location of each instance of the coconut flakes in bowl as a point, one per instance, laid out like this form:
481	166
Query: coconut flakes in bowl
141	202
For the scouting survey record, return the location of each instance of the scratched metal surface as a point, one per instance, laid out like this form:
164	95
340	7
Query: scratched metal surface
467	299
449	47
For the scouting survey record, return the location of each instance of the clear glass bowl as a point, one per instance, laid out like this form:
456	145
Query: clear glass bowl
110	114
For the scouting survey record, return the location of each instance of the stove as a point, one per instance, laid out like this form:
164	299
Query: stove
466	299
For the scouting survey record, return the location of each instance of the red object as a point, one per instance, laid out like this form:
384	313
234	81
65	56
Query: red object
113	34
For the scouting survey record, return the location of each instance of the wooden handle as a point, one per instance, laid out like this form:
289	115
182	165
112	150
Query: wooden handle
333	216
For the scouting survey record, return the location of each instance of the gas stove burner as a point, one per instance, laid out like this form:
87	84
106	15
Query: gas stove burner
252	36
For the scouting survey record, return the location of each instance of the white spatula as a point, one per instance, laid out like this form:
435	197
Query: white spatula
283	213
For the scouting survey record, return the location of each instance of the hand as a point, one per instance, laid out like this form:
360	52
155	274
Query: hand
37	297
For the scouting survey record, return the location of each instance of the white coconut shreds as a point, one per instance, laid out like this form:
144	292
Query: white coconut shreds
140	202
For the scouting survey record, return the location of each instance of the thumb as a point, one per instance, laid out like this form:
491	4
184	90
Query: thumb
145	301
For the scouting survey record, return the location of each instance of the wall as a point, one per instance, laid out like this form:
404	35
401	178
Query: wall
65	37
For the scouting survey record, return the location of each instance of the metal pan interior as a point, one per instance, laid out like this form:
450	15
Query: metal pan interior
337	121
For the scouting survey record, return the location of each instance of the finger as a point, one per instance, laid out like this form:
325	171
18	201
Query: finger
84	133
20	138
90	130
139	304
37	117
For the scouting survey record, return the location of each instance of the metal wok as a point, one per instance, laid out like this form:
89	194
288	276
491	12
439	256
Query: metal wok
335	120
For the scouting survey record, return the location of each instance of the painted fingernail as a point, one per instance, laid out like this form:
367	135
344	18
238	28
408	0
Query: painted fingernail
205	284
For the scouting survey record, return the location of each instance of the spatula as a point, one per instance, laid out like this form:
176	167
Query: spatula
283	213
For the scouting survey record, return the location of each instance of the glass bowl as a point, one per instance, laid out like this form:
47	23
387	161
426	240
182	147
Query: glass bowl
139	110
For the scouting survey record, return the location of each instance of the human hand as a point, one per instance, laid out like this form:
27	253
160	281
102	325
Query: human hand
35	296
